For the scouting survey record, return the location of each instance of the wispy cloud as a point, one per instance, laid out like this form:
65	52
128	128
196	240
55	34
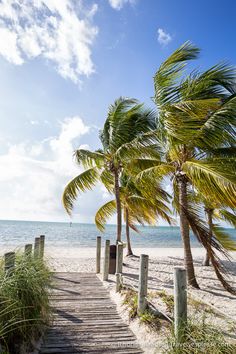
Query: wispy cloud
60	31
163	37
119	4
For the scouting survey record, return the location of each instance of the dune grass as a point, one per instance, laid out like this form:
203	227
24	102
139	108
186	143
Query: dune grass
24	303
200	338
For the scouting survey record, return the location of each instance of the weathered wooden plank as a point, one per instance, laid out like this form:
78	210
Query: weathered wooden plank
85	319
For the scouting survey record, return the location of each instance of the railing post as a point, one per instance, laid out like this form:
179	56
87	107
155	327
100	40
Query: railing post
119	257
36	247
142	286
118	282
41	245
9	262
180	302
106	260
28	250
98	255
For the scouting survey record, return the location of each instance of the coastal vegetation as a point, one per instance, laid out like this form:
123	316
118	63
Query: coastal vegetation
188	142
202	332
24	304
200	338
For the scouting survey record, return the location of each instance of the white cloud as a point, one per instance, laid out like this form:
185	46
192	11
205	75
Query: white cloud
33	177
34	122
59	31
163	37
118	4
71	129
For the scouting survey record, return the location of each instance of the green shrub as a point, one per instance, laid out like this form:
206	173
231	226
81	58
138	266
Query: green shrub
24	302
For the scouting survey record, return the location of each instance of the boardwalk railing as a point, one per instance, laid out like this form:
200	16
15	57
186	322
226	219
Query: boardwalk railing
38	252
180	290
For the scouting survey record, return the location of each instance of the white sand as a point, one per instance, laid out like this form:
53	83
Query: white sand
161	263
83	259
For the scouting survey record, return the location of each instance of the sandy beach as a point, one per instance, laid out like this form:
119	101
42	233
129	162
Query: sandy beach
160	279
161	264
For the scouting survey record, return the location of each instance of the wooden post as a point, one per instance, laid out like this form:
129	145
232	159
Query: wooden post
119	257
142	286
28	250
36	247
106	260
9	262
118	282
180	302
98	255
41	245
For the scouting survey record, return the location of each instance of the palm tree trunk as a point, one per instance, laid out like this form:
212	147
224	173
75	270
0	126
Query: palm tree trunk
118	205
184	229
129	249
209	213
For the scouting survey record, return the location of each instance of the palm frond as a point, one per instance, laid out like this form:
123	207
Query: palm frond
170	71
104	213
107	179
227	216
214	178
89	158
85	181
220	126
225	151
216	82
224	238
211	244
116	112
157	172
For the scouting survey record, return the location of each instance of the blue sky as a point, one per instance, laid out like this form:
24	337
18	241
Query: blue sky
63	62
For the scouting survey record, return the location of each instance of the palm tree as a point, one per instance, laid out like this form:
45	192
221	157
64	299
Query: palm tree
137	208
197	114
126	120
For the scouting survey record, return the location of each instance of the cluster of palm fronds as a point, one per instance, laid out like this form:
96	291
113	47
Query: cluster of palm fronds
189	142
24	304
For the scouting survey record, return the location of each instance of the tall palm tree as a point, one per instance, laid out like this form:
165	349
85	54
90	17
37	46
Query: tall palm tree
126	120
137	208
197	114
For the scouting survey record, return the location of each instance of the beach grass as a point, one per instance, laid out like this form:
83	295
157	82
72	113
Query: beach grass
200	338
24	303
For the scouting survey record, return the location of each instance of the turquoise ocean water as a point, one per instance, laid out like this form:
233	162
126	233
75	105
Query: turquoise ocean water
17	233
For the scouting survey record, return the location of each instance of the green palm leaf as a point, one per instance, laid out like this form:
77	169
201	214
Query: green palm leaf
227	216
104	213
89	158
85	181
170	71
213	178
224	239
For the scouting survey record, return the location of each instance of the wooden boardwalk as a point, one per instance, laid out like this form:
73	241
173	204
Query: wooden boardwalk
85	319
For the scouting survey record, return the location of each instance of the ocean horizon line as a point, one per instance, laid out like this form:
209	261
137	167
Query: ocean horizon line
107	225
